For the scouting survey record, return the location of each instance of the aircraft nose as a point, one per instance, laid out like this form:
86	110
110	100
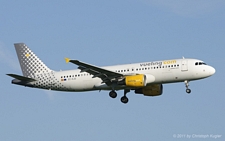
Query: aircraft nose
212	70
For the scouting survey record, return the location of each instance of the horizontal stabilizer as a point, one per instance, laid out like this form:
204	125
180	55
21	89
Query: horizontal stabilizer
22	78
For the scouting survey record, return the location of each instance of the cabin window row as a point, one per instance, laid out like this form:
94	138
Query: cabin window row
126	70
76	75
148	68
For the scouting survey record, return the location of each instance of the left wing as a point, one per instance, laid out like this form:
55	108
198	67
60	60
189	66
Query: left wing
104	74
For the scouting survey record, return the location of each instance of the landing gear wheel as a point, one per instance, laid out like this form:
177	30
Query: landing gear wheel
186	85
112	94
188	91
124	99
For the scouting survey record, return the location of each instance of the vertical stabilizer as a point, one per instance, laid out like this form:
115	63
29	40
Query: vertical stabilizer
29	62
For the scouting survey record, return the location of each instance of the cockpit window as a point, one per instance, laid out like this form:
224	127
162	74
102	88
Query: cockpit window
200	63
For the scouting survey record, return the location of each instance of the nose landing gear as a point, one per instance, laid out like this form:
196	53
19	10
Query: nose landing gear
187	84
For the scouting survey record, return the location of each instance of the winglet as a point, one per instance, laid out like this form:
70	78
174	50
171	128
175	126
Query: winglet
67	60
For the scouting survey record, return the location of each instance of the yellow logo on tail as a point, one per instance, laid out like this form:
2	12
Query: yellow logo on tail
27	55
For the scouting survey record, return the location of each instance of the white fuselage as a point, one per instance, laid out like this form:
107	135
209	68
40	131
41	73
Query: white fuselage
167	71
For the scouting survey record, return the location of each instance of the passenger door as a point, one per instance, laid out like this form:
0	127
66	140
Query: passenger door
184	65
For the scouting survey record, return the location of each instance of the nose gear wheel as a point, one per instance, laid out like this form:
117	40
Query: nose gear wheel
187	85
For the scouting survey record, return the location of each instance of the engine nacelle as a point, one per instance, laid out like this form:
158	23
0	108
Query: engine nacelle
139	80
152	90
135	80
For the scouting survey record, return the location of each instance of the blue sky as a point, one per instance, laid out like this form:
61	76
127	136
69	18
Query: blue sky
109	33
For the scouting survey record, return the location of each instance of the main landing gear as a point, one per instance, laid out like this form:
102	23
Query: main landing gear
187	84
123	99
112	94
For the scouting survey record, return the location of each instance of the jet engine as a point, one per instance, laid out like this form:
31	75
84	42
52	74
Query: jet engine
139	80
151	90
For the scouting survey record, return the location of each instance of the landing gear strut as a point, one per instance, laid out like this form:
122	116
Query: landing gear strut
187	84
112	94
124	98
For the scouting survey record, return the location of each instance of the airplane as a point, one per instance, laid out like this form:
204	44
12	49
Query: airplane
145	78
